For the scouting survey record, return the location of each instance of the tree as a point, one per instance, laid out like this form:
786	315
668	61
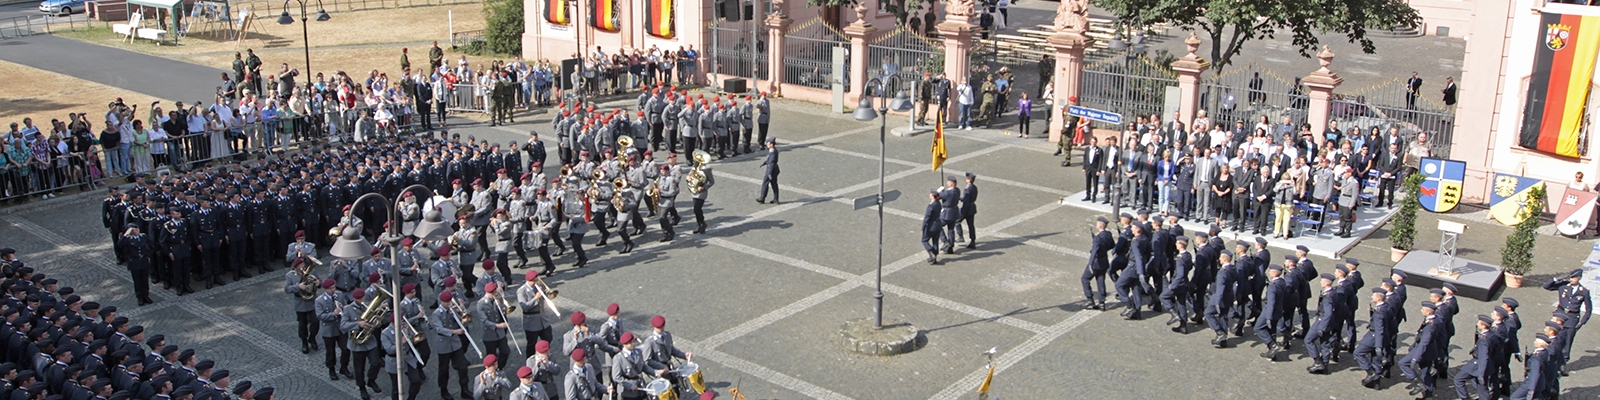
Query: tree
1229	24
1404	233
1517	255
504	26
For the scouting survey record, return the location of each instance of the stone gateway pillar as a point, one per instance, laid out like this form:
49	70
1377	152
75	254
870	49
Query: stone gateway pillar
1321	84
1189	69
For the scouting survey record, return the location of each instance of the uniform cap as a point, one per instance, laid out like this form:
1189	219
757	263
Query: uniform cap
1502	312
449	281
1126	216
1184	239
1352	261
1542	337
524	372
446	296
578	318
1278	268
374	277
1399	273
1450	287
1577	273
542	347
1379	290
1261	241
1302	248
489	360
443	251
241	387
359	293
219	375
1101	219
1390	282
1485	319
478	181
627	337
490	287
408	288
1553	325
407	242
1289	257
1327	276
658	322
1436	291
1341	268
578	354
613	309
456	181
327	283
1510	302
1429	304
1242	243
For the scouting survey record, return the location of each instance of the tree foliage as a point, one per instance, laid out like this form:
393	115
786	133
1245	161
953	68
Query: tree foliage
1404	233
503	32
1517	255
1229	24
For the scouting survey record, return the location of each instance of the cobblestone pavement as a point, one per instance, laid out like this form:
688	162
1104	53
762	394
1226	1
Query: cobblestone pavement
759	298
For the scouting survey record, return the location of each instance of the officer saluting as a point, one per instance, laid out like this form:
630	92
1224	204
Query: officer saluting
138	250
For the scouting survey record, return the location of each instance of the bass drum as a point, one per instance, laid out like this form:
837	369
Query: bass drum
447	208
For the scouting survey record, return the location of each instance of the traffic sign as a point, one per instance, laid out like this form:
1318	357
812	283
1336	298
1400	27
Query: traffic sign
1097	115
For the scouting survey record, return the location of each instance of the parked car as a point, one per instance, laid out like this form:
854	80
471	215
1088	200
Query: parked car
62	7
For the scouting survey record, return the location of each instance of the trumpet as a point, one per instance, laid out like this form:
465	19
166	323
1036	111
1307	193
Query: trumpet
625	142
620	184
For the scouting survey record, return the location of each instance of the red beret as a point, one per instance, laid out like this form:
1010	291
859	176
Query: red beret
300	233
525	372
446	296
531	276
500	171
346	207
578	318
478	181
374	277
449	281
488	265
613	309
542	347
536	164
378	250
457	181
443	251
518	189
408	288
490	287
407	242
489	360
658	321
578	354
627	337
359	293
327	283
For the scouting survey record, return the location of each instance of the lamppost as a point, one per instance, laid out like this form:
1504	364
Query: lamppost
577	38
865	113
351	246
1130	51
305	32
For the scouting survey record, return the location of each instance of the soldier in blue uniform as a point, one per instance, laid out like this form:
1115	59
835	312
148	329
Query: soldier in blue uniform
258	217
1303	273
969	203
1119	253
174	242
1320	338
1371	350
209	236
1157	263
931	230
1095	270
138	250
1130	285
1574	299
235	238
1175	296
1418	364
1475	372
1272	305
1207	250
1535	381
1222	293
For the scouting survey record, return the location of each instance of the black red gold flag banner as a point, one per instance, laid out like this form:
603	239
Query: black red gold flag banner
555	11
659	21
1558	91
603	15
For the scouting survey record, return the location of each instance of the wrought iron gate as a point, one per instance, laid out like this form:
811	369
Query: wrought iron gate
808	55
1130	85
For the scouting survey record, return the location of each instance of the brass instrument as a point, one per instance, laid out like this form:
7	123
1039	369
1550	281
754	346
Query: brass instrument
548	294
697	178
461	311
983	389
620	184
655	191
465	210
594	185
565	171
375	316
625	142
308	279
506	308
416	337
454	244
462	318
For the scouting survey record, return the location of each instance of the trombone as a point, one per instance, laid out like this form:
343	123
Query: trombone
399	333
505	307
456	312
548	295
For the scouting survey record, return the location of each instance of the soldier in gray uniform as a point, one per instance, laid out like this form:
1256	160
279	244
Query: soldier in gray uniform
572	205
580	338
581	382
700	199
366	354
443	268
670	117
640	177
746	126
467	254
330	313
518	213
535	327
764	107
545	228
629	212
559	124
950	212
667	191
504	231
411	311
688	125
1349	195
659	352
483	206
303	316
711	127
656	119
413	367
452	341
495	326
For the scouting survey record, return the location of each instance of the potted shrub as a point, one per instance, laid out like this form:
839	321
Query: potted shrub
1516	258
1404	234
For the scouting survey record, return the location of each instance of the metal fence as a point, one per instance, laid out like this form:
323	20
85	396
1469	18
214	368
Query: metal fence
274	7
29	25
907	53
808	55
1250	92
1390	105
87	170
467	97
1131	85
729	49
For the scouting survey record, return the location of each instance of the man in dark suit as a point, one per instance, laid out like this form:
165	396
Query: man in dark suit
770	179
1091	167
1147	176
1261	196
422	96
1098	265
1449	92
1413	88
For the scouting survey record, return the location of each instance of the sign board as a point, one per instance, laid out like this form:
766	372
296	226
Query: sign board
1508	197
1574	211
837	79
1441	191
1097	115
872	199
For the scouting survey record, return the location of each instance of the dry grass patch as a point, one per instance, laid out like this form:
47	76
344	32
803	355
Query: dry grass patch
49	95
393	25
354	61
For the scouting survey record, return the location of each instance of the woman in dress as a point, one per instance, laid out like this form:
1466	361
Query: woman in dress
217	130
1222	197
158	146
141	147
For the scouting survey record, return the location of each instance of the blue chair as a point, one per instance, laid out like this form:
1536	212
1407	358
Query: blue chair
1315	214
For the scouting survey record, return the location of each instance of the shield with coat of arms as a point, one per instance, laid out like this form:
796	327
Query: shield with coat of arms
1441	190
1556	35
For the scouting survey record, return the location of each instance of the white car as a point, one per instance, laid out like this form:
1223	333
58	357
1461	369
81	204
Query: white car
62	7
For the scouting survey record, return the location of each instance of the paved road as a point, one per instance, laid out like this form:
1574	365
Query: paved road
160	77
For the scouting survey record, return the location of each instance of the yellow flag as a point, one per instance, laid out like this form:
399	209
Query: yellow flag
939	154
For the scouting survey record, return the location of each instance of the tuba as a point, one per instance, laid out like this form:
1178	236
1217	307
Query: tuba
376	315
625	142
697	178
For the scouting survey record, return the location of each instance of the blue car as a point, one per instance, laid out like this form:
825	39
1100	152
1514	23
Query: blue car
62	7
